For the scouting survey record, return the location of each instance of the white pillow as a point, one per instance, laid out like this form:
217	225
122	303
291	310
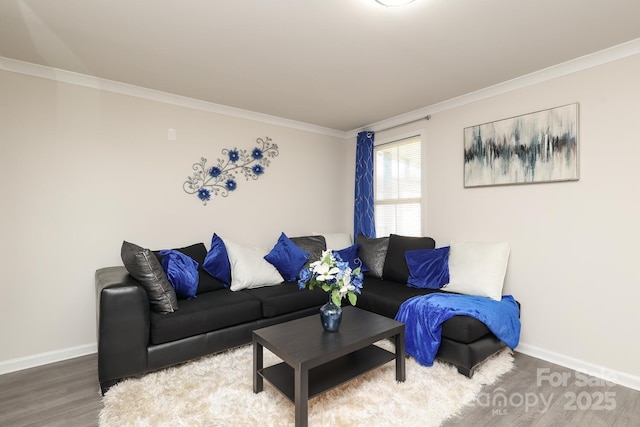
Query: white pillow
478	268
249	269
336	241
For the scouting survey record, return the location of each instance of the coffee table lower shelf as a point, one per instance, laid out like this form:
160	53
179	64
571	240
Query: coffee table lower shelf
329	375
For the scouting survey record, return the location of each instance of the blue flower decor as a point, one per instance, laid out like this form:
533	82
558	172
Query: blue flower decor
220	179
334	276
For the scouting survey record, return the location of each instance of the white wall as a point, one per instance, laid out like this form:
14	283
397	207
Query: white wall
82	169
574	245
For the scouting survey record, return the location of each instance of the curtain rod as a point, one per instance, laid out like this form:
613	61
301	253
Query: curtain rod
427	117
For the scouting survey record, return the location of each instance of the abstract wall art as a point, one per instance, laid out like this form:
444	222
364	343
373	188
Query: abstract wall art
531	148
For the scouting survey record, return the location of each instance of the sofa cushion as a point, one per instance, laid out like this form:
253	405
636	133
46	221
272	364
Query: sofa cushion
478	268
249	269
287	258
428	268
313	245
464	329
395	264
208	283
385	297
208	312
287	298
372	252
143	265
216	262
336	241
351	256
181	271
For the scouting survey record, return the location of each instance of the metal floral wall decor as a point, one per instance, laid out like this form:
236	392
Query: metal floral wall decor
220	179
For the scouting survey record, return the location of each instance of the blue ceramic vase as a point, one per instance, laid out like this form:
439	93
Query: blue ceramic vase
330	316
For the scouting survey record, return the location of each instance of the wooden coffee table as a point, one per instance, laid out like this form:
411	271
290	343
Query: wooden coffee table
315	361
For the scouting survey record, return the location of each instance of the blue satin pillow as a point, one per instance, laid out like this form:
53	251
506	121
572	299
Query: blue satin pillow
182	272
350	255
287	258
216	263
428	268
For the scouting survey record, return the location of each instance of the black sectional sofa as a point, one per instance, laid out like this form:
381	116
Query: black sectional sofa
133	339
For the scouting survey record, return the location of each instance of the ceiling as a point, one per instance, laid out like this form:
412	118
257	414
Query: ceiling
338	64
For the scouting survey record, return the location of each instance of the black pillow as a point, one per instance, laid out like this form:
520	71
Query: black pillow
372	252
143	265
198	252
395	264
313	245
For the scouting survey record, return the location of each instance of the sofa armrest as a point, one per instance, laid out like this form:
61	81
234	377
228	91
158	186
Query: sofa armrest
123	325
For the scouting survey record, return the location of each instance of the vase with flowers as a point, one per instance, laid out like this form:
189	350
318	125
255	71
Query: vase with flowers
338	279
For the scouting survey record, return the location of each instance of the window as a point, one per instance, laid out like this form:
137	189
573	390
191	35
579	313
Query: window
398	188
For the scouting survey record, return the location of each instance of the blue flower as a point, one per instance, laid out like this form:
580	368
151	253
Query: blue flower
257	169
234	156
305	276
204	194
342	265
256	153
356	280
230	184
215	172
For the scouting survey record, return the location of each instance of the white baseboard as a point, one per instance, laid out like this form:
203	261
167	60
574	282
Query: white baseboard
46	358
617	377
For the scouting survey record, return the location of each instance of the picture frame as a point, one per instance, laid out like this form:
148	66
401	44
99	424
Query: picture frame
531	148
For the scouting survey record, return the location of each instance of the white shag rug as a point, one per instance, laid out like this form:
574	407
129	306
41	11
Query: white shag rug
218	391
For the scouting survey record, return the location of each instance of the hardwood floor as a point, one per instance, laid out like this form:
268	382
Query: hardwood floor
535	393
539	393
60	394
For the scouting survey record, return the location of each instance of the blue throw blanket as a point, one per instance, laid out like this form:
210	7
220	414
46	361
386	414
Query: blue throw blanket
423	317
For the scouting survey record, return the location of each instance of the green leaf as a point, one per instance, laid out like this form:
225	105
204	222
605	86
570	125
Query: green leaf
352	298
335	297
326	287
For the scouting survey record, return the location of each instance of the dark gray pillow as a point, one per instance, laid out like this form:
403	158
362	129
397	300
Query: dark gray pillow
395	264
313	245
143	265
373	252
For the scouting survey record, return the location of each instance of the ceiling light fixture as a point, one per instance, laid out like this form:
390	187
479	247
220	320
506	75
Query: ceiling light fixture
394	3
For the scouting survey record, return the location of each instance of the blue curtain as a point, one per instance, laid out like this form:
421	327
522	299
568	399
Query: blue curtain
363	221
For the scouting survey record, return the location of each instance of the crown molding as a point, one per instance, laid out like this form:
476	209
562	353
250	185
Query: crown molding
585	62
64	76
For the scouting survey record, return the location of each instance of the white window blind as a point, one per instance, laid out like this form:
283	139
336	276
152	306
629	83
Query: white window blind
398	188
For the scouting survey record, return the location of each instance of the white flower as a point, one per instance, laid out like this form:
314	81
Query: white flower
345	289
325	272
314	265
